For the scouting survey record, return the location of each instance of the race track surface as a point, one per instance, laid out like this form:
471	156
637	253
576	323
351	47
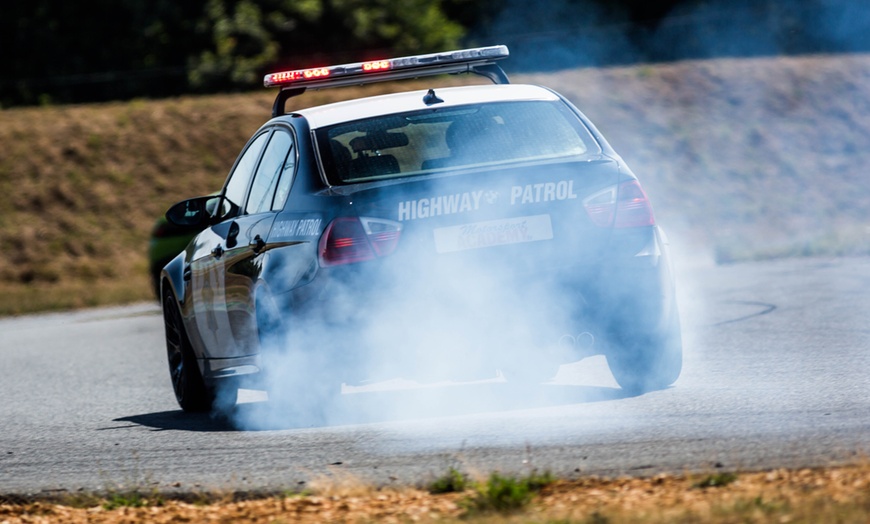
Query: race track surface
777	373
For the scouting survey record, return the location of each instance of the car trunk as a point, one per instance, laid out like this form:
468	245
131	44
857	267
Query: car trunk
526	218
485	260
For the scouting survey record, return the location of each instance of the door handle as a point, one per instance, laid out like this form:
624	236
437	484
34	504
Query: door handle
258	244
232	235
186	274
218	251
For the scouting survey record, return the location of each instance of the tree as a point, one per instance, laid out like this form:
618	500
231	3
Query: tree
249	36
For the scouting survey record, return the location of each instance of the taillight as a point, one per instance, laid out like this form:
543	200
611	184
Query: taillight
601	207
620	206
632	207
347	240
383	234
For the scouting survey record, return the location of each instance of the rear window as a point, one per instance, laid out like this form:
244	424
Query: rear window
443	139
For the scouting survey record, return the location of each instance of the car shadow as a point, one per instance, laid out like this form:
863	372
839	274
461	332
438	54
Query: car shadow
372	407
181	421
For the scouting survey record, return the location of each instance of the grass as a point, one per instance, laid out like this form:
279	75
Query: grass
130	499
454	481
506	493
715	480
20	299
499	493
745	159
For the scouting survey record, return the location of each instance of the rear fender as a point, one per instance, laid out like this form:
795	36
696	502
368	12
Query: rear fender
173	276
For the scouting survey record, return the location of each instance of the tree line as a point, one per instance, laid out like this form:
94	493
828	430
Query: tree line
56	51
90	50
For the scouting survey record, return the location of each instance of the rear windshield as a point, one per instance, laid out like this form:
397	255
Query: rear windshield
437	140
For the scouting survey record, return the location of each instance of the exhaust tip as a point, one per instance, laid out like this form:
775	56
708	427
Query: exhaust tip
581	345
567	342
584	341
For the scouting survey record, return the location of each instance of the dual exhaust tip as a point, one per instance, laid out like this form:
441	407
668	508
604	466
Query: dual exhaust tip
581	343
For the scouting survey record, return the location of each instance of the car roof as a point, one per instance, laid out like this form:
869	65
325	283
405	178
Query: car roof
360	108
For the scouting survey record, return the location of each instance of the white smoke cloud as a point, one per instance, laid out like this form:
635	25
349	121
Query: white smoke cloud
486	316
419	322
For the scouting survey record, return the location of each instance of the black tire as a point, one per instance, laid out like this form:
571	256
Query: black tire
648	363
191	391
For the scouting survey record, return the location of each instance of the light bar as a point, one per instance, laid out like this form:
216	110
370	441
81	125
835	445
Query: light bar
463	60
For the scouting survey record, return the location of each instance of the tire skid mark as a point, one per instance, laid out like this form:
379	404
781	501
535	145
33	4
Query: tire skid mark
766	308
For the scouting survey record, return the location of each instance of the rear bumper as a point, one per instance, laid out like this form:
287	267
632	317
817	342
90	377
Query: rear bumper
628	290
363	313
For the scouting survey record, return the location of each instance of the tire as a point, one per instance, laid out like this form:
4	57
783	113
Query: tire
648	363
191	391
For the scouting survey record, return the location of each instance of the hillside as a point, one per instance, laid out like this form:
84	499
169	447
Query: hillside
745	158
742	158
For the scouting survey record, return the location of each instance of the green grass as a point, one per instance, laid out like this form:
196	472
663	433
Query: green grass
715	480
453	481
130	499
505	493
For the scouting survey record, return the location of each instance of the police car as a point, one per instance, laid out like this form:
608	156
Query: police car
490	227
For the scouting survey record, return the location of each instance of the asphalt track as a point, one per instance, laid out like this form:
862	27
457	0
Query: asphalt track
776	374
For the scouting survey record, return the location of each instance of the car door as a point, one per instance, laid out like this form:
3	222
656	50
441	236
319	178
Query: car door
207	267
245	246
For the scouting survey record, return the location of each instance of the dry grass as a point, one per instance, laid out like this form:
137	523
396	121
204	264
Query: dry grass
81	186
794	496
745	158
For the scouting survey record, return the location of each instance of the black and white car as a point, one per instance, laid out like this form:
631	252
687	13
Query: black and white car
488	226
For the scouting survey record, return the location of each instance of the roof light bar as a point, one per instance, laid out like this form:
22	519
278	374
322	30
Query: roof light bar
475	60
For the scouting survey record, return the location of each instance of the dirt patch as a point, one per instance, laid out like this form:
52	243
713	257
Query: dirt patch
809	495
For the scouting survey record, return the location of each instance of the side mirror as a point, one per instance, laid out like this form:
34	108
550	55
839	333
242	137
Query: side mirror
195	213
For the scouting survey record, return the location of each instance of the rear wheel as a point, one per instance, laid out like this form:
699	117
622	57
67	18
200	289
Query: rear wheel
648	363
191	391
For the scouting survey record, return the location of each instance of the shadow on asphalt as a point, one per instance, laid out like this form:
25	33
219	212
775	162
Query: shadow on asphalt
380	406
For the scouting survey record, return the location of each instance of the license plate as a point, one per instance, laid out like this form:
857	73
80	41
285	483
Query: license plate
493	233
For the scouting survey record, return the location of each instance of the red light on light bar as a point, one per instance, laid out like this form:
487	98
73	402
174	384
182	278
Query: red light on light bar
319	72
378	65
434	63
292	76
286	76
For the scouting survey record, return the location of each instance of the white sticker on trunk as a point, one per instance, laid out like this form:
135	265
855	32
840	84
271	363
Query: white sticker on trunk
493	233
